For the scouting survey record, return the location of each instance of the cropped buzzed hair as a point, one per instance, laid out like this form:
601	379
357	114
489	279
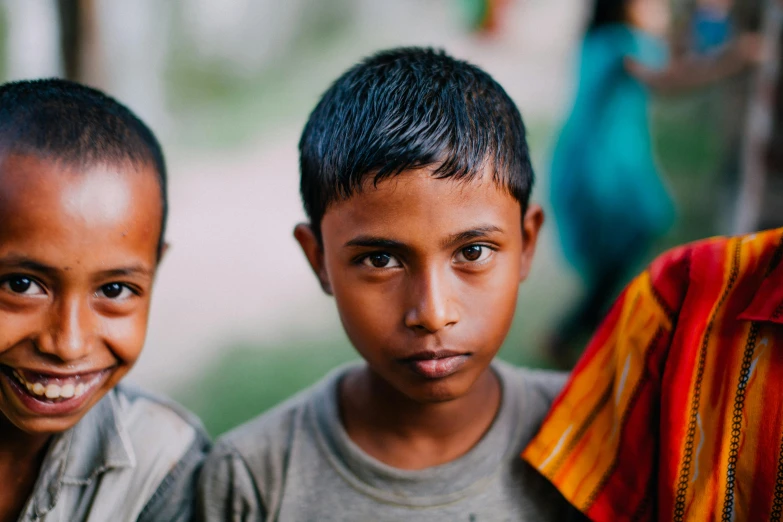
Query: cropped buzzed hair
66	121
410	108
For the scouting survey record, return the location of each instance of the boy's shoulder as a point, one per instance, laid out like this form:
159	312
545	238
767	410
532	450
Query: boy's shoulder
544	384
271	432
141	422
251	461
717	248
144	449
134	401
537	389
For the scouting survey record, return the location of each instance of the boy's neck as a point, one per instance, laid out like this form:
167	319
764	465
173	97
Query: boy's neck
407	434
21	456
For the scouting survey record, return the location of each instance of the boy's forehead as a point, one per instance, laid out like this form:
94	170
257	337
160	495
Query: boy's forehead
417	200
36	191
38	178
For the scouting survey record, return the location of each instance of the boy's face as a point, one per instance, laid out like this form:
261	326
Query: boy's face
425	273
77	260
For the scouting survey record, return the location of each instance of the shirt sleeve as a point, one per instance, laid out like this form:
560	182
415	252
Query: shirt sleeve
174	500
598	444
226	490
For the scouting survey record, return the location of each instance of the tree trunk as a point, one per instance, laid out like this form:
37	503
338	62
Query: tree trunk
79	41
759	205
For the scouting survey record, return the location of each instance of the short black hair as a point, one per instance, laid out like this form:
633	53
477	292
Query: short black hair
409	108
608	12
70	122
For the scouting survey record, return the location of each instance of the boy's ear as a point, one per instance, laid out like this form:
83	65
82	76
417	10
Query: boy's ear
161	254
531	226
164	248
314	253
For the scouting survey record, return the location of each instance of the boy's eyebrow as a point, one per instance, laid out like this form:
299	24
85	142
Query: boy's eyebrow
374	242
35	266
27	264
128	271
473	233
459	237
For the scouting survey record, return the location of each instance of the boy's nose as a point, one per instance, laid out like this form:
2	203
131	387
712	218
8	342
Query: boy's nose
69	331
432	307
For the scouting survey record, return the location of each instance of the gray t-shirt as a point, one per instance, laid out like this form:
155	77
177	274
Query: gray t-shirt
297	463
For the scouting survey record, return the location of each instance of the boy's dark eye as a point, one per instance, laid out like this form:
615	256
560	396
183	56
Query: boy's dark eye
381	260
111	290
20	285
472	253
114	291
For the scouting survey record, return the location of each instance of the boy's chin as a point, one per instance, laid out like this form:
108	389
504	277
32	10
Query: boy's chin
38	426
440	390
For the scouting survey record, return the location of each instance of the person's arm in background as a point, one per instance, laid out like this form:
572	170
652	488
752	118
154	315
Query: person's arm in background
688	73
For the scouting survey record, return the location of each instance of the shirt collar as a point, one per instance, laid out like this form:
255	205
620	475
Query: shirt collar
767	303
99	442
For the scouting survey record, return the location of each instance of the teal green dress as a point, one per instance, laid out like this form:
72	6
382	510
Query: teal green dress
608	199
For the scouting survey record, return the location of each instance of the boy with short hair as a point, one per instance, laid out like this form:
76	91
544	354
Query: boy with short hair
675	412
415	176
82	218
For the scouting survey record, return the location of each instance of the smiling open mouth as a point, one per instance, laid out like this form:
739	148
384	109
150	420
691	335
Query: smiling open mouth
53	388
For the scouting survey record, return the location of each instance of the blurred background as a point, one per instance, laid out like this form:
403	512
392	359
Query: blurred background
238	322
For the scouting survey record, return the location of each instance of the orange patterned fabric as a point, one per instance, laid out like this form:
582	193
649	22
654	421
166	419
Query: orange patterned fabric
675	412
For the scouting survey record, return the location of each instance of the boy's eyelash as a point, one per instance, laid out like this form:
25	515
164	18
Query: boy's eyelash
10	277
494	248
133	288
360	258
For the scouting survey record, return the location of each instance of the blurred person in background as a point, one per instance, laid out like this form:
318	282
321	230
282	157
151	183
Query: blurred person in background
609	201
711	26
484	17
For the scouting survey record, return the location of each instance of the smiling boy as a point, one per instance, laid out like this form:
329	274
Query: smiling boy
82	218
415	176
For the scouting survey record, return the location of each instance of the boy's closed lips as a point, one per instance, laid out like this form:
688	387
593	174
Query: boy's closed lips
436	364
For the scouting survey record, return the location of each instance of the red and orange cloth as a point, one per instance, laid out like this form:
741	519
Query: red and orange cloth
675	412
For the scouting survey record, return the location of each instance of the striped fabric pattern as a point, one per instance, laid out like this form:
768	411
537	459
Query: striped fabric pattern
675	412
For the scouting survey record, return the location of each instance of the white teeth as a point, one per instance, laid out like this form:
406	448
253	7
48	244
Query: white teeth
52	391
67	391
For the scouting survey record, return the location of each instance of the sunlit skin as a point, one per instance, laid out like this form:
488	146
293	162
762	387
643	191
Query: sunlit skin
419	266
78	254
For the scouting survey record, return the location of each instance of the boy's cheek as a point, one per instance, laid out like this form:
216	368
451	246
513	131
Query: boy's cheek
125	334
16	329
